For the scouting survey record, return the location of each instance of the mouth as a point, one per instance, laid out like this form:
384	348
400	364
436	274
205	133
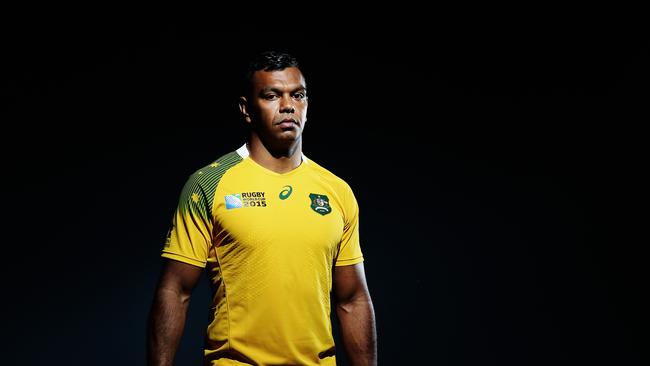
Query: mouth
287	123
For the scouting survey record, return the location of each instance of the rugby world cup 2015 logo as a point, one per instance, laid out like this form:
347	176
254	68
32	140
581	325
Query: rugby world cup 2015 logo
320	203
245	199
233	201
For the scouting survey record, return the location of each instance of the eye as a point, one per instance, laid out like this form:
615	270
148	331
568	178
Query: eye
269	96
299	95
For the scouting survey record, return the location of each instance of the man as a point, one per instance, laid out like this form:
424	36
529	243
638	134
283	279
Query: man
276	233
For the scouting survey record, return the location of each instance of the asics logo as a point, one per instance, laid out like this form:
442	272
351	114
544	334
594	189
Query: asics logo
286	192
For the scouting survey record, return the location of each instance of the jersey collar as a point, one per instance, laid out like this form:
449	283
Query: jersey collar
243	152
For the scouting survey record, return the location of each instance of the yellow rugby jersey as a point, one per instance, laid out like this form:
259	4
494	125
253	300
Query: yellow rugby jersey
268	242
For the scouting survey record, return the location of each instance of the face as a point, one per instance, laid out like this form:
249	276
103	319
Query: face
277	106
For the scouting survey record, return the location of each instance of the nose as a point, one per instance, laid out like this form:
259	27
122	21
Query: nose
286	105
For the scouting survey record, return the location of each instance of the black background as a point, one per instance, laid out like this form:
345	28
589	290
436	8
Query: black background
497	164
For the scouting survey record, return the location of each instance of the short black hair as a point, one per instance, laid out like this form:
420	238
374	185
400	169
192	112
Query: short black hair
269	60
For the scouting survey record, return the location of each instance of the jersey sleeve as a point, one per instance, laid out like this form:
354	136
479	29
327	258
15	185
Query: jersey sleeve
350	247
189	237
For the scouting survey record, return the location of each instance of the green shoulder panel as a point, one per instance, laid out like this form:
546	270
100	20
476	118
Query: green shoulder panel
198	193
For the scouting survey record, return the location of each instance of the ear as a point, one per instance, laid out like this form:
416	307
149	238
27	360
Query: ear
243	109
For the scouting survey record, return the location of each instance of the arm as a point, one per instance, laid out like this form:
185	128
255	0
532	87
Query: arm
356	314
169	310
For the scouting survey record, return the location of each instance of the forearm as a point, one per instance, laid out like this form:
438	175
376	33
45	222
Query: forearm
166	323
358	332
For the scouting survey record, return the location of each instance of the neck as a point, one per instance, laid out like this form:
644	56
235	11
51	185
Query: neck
278	159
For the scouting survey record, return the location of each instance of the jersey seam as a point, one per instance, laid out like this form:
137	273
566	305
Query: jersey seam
216	256
346	261
183	256
225	291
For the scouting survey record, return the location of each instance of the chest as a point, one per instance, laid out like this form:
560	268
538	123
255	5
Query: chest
282	214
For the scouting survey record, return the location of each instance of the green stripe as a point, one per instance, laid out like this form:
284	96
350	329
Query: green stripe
202	185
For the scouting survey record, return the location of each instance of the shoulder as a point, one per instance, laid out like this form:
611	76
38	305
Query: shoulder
326	175
199	189
209	175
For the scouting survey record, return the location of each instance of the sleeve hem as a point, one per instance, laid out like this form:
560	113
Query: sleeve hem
183	259
348	262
